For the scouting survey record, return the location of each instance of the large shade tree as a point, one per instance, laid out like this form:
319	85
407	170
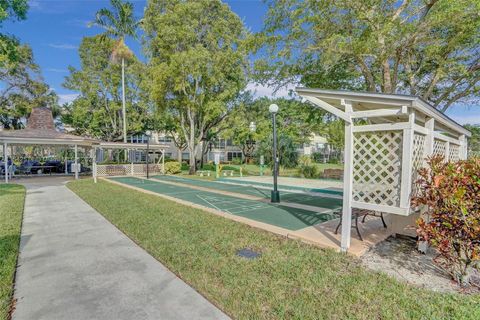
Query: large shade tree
119	23
21	86
10	48
296	123
197	64
429	48
97	111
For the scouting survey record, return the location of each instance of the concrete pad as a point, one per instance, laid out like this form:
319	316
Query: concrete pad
294	182
74	264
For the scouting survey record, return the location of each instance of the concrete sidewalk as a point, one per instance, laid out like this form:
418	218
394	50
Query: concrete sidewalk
74	264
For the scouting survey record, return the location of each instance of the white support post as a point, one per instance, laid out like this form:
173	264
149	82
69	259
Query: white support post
94	165
76	162
5	159
429	138
348	180
163	161
463	152
132	157
447	151
407	163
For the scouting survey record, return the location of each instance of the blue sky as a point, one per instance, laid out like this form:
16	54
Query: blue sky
54	29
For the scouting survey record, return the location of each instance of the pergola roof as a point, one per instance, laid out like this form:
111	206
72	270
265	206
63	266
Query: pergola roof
364	102
40	129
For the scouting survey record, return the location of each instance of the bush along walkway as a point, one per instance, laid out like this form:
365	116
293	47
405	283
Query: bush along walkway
289	280
74	264
12	199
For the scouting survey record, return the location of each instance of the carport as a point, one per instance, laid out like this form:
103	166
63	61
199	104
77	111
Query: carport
40	130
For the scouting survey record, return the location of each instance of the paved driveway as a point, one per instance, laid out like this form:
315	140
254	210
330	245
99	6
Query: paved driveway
74	264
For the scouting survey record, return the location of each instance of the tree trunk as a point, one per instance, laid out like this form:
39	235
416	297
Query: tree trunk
192	163
124	112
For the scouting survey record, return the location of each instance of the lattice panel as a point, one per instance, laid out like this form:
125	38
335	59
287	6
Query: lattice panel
453	152
377	161
418	157
127	169
439	148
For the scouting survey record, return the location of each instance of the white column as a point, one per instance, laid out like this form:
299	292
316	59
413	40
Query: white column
94	164
463	152
163	161
429	138
347	181
76	162
407	155
5	158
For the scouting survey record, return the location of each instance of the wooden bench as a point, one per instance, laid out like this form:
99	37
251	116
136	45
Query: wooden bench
201	173
333	174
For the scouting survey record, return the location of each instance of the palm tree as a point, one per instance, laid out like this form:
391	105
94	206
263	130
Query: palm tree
119	23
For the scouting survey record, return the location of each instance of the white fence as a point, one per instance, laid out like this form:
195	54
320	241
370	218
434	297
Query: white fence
108	170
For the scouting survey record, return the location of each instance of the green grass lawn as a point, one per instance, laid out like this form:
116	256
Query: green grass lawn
290	280
12	199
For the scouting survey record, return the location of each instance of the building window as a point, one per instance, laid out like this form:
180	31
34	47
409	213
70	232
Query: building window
165	139
233	155
185	155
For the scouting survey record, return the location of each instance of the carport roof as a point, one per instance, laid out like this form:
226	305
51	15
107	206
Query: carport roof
40	129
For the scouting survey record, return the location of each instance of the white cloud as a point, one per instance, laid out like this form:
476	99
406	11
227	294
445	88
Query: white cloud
56	70
63	46
260	90
78	23
67	98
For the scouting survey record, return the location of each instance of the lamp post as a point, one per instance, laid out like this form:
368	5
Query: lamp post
250	143
275	197
148	134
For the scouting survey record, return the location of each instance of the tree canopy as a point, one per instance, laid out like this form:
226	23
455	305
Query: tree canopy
197	63
22	87
429	48
98	109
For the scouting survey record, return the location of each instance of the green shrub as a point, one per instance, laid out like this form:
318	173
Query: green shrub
308	171
304	160
185	166
450	192
236	169
237	161
173	167
208	166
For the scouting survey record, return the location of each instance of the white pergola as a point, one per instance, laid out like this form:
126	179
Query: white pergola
384	151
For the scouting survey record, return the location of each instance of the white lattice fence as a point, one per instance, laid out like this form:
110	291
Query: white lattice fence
127	169
454	152
439	148
418	157
377	160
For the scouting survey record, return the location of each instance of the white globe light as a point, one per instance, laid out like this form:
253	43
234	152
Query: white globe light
273	108
148	133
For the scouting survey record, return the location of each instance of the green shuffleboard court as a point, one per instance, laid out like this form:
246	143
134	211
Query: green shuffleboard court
291	197
329	190
277	215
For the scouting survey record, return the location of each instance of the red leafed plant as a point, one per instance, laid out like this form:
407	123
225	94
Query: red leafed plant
450	193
